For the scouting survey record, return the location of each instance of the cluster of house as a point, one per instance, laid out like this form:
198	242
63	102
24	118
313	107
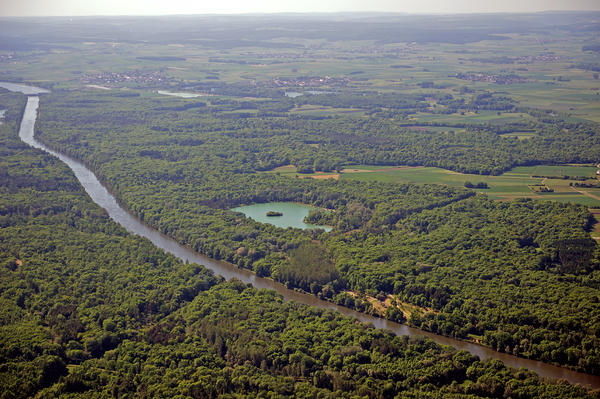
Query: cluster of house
491	78
136	76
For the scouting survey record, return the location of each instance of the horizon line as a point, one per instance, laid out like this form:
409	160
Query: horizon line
405	13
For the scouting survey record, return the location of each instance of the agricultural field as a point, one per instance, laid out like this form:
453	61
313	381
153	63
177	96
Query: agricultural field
491	117
519	182
538	71
408	142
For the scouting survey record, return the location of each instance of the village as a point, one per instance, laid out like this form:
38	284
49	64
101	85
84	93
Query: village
135	76
315	81
491	78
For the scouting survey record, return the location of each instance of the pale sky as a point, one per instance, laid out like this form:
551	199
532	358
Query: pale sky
163	7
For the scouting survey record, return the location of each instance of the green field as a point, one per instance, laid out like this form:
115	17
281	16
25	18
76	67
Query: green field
492	117
512	184
557	170
316	110
555	84
469	97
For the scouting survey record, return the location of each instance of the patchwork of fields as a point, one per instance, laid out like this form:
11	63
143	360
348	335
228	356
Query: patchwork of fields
406	136
520	182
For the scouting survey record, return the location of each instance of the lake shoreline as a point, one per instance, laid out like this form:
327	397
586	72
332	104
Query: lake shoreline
130	222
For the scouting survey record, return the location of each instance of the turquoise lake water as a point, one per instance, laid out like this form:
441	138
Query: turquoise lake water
293	214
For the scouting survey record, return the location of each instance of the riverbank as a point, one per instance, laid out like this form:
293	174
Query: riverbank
102	197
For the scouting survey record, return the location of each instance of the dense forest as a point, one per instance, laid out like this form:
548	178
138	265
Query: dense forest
522	277
233	139
88	309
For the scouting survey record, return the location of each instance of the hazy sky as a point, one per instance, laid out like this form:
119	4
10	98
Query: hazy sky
154	7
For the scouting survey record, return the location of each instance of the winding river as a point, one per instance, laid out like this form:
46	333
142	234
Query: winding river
102	197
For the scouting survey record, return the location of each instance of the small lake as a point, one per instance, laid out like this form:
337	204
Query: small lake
293	94
317	92
293	214
105	199
98	87
182	94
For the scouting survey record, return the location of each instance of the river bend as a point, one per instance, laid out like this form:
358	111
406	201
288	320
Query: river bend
102	197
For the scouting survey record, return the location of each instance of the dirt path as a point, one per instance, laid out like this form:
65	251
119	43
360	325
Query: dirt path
379	170
324	177
596	227
587	194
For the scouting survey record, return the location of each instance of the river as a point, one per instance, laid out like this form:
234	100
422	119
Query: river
102	197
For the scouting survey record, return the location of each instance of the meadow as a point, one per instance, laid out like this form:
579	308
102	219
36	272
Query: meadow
519	182
400	119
